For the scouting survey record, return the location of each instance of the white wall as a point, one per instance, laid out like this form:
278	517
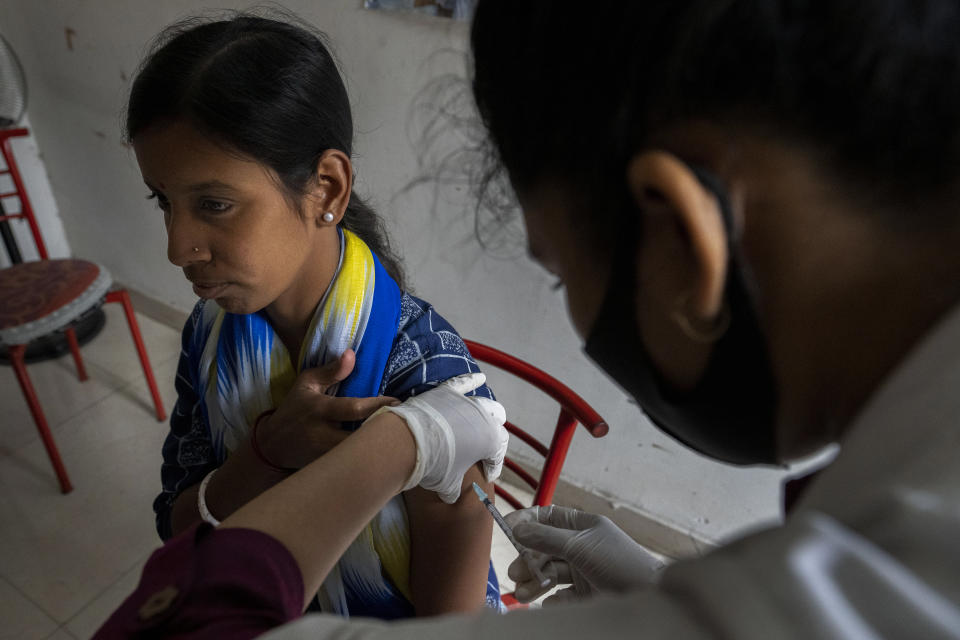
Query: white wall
77	96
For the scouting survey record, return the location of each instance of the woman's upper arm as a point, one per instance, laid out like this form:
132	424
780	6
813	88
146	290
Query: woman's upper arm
449	549
187	453
427	351
449	544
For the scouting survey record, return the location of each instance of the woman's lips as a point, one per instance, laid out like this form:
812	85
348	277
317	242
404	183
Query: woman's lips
209	289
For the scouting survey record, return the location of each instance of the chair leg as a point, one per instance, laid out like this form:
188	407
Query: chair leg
510	601
16	357
123	298
75	350
562	435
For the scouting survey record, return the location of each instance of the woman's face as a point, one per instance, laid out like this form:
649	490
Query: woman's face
229	226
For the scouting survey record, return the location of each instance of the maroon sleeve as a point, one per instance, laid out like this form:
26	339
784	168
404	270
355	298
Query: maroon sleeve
211	583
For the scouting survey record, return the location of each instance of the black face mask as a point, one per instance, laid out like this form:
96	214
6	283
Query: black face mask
729	414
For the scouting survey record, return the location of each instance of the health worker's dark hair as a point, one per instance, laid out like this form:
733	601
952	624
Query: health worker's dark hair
872	88
268	89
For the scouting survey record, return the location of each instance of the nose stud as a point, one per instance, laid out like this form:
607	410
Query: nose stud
196	249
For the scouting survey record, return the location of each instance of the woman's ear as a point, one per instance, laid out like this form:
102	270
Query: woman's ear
676	204
331	193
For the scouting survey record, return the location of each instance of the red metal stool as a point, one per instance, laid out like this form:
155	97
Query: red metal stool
48	295
573	410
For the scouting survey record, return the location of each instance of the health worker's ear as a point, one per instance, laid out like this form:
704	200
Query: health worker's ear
332	189
683	243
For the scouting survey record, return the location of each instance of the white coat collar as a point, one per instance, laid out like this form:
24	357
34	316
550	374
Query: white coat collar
905	441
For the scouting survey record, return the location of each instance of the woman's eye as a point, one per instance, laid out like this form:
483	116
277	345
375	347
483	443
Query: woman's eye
214	205
162	201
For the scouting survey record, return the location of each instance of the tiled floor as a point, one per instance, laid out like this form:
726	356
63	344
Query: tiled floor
66	561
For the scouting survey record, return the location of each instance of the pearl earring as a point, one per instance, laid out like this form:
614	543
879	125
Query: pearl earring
328	216
196	249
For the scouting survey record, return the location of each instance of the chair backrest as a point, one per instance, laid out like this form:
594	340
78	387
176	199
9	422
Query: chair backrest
19	191
573	410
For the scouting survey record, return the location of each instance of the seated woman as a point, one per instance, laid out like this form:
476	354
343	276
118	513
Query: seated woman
242	130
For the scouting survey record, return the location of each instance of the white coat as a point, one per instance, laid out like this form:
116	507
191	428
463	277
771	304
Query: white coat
871	551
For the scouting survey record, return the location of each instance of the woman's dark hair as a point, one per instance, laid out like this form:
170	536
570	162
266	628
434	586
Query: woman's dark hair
267	88
872	87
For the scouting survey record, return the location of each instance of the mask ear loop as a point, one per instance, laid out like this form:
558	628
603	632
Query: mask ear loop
719	191
736	262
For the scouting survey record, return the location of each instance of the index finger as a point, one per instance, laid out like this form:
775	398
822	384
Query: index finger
522	515
566	518
465	382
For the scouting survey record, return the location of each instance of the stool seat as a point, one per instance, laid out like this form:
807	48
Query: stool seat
43	296
38	298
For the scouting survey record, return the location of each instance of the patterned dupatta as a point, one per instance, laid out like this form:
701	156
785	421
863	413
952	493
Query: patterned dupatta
245	369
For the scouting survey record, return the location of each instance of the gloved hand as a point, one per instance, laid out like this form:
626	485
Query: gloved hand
579	548
453	432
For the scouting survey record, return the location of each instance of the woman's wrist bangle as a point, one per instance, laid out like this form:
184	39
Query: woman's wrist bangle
202	500
256	447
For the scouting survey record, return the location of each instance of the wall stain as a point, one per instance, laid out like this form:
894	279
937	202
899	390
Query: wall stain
100	134
69	33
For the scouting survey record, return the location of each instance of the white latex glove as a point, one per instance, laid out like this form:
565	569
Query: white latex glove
574	547
453	432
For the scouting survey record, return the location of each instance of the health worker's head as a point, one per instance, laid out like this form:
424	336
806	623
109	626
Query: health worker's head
750	203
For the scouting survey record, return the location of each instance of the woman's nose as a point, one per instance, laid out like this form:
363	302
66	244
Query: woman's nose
185	243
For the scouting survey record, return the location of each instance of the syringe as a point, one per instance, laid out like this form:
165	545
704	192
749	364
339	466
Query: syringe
524	552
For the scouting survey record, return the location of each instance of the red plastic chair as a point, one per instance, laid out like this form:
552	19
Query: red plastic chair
44	296
573	410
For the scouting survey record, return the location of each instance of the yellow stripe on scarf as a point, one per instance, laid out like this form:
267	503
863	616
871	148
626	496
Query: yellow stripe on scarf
345	299
354	275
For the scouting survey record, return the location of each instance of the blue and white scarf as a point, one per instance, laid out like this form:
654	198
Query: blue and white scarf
245	369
